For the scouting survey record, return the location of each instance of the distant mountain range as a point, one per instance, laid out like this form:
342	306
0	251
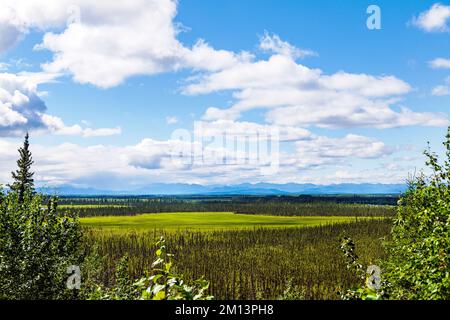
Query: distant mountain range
239	189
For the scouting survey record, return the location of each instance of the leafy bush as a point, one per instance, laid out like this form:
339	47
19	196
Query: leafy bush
419	263
373	288
37	244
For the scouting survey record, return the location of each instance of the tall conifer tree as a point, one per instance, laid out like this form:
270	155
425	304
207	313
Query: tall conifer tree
23	177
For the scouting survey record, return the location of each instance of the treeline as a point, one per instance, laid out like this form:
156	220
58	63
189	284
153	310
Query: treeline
279	209
285	206
389	199
316	209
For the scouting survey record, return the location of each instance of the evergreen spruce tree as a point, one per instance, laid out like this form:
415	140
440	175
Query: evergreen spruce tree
23	177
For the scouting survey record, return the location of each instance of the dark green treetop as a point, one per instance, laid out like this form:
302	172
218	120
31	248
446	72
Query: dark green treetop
23	177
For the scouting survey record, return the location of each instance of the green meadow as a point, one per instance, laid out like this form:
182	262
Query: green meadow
206	221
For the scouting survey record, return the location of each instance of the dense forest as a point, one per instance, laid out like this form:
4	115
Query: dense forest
268	205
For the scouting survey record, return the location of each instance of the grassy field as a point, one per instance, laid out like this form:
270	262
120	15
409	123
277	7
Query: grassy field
206	221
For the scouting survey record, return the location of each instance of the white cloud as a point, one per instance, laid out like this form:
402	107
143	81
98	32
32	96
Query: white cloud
112	41
296	95
365	85
22	109
151	161
101	132
374	114
108	43
242	130
121	168
274	44
213	114
97	47
365	175
348	146
440	63
276	72
57	126
171	120
434	19
197	159
203	57
440	91
20	105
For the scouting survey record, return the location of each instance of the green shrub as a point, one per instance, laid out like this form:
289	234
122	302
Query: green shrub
419	263
373	287
37	245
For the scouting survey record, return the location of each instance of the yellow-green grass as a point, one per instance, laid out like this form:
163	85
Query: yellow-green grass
205	221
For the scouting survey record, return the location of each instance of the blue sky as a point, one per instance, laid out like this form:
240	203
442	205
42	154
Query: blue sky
116	81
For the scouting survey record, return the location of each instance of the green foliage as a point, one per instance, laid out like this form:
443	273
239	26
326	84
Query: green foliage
123	289
419	263
292	292
363	292
23	177
37	244
167	285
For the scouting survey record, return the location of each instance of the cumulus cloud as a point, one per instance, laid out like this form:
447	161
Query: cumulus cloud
434	19
22	109
440	63
57	126
295	95
349	146
103	43
204	57
274	44
440	91
20	105
149	154
151	161
276	72
365	85
374	114
243	130
90	41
